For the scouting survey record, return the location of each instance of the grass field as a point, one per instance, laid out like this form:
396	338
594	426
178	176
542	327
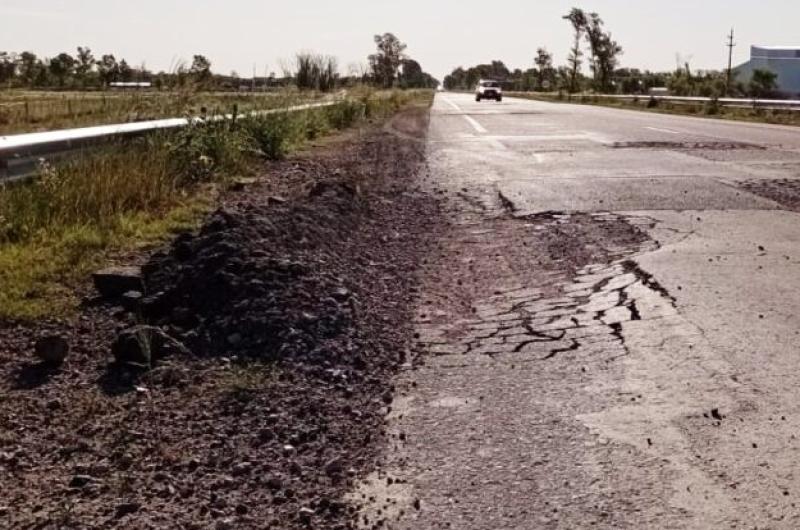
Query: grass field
29	111
56	228
707	110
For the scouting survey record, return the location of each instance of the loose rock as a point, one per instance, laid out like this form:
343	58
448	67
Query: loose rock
113	282
143	345
52	349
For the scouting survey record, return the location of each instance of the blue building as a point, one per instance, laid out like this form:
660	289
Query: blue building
782	60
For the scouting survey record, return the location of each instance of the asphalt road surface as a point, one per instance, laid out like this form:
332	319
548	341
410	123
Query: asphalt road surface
647	383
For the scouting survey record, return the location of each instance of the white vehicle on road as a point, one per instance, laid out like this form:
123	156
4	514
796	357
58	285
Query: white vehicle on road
488	89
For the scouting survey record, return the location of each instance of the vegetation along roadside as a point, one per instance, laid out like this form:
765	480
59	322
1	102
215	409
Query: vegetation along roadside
56	228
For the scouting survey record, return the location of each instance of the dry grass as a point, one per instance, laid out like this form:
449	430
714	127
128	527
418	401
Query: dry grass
56	228
24	111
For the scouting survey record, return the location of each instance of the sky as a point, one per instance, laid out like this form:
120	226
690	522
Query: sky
441	34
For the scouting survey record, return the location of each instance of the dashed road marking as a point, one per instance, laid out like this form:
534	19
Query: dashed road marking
475	125
450	102
668	131
472	121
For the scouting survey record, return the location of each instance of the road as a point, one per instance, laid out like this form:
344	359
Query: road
642	372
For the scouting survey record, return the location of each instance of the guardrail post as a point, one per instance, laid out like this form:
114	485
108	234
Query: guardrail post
3	169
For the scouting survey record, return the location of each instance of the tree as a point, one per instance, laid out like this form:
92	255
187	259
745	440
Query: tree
577	18
107	69
125	71
410	73
544	65
763	83
200	69
315	71
8	67
413	76
29	66
84	64
386	63
467	79
605	52
62	66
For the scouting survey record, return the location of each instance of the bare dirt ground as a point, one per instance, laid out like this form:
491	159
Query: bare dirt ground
295	302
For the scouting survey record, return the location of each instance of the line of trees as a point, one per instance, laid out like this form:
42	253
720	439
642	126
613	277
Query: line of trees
388	67
603	50
590	37
83	70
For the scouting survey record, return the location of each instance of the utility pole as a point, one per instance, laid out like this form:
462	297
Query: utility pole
730	44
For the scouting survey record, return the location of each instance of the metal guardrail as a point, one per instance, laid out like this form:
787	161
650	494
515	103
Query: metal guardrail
790	104
786	104
16	149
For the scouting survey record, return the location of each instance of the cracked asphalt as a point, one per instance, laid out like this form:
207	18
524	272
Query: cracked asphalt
607	334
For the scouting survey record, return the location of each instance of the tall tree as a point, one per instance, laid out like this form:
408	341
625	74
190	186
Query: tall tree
84	64
29	66
578	19
107	69
605	52
544	67
200	69
62	66
8	67
386	63
125	71
413	76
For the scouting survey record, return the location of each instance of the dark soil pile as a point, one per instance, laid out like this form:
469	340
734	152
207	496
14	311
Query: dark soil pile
296	310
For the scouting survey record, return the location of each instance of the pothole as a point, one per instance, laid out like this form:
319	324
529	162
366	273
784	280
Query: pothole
574	283
710	146
785	192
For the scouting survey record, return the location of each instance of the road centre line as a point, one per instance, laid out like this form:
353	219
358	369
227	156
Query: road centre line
449	102
475	125
668	131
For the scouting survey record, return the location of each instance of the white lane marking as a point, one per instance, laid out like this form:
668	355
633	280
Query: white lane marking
543	137
538	157
449	102
497	144
475	125
668	131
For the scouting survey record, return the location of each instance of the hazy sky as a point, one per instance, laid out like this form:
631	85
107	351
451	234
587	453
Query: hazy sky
441	34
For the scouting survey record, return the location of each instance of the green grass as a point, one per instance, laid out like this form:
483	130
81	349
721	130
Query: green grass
706	110
57	228
39	275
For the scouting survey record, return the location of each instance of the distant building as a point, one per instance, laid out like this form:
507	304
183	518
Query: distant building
782	60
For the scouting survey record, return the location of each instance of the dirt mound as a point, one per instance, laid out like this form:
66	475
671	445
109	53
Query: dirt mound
266	280
294	300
